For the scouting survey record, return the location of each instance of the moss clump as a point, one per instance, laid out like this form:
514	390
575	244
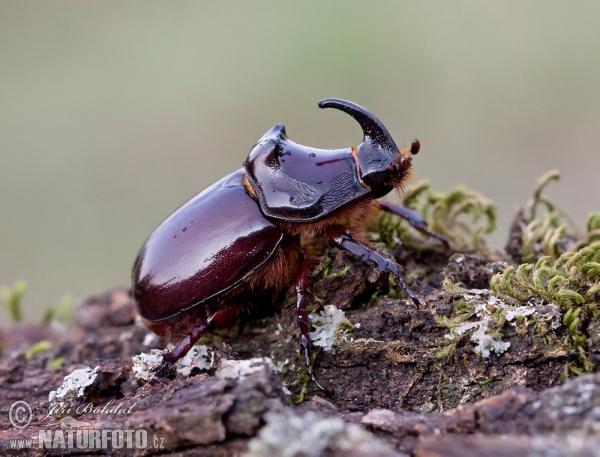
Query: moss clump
491	315
329	274
11	296
303	378
554	291
551	233
461	215
38	348
61	314
554	301
545	236
571	282
572	279
593	230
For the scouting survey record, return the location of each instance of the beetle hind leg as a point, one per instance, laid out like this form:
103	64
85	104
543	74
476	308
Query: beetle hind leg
220	318
415	220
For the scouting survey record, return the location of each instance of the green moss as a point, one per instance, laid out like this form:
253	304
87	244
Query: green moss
570	280
38	348
415	274
538	199
593	230
461	215
394	291
303	377
373	299
463	312
453	288
55	363
552	233
486	381
447	351
326	269
560	266
11	296
448	393
48	316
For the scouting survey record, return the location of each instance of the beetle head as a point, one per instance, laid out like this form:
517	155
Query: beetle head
381	165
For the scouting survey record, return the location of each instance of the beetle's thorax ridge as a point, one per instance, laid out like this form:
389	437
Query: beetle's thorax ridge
297	183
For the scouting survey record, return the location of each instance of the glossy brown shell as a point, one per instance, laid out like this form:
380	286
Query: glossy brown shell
203	249
298	184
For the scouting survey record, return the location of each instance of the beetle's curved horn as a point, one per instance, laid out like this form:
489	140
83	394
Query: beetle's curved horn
374	131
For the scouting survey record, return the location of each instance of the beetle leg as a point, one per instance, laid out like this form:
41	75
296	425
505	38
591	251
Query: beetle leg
161	373
415	220
303	286
344	240
221	318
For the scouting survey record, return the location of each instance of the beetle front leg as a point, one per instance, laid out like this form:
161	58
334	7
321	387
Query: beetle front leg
302	286
415	220
344	240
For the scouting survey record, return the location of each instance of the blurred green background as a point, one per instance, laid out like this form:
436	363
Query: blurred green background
115	113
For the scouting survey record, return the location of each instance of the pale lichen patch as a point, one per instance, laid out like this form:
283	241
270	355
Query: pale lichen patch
144	363
241	369
310	435
202	358
326	324
74	384
486	342
65	400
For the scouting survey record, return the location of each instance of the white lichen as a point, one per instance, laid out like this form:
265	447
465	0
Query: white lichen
485	304
519	311
200	356
550	313
489	309
487	343
461	330
240	369
74	384
310	435
325	324
143	364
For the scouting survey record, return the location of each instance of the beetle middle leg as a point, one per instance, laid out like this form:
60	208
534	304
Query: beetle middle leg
220	318
415	220
344	240
302	286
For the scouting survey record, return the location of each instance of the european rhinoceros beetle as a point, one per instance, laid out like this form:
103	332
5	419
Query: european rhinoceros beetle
264	226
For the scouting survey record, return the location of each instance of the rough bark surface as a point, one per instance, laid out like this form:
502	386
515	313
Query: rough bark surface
390	397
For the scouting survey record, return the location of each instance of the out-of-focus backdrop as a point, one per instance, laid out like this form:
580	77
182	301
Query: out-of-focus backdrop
112	114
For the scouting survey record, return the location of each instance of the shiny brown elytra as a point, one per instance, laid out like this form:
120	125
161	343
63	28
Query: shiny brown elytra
264	226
